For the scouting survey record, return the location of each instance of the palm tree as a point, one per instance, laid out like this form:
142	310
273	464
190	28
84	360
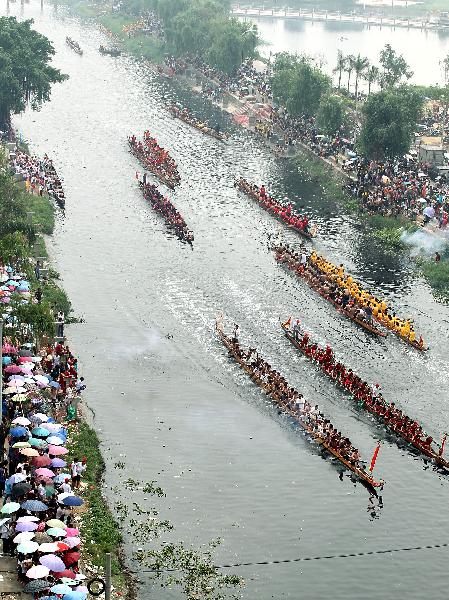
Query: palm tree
371	75
360	63
349	67
341	63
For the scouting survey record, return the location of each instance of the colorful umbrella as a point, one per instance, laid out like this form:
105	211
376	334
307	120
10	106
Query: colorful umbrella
41	461
27	547
26	526
61	477
72	531
37	585
44	472
57	450
58	463
48	547
75	595
28	519
21	421
40	432
29	452
66	574
71	558
54	440
56	523
72	542
37	443
38	572
18	431
21	445
72	501
60	589
40	417
10	507
25	536
34	506
52	562
56	532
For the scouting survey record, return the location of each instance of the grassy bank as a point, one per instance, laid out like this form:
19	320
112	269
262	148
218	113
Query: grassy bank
437	276
99	529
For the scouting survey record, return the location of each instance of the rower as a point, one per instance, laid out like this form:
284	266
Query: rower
296	329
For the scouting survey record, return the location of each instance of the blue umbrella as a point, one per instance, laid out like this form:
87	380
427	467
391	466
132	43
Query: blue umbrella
72	501
34	506
74	596
40	432
61	588
18	431
54	384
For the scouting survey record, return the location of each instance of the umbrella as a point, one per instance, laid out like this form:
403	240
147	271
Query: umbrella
82	588
28	519
72	542
49	491
25	536
62	546
36	586
40	417
54	384
55	440
10	390
53	426
56	523
3	521
48	547
57	450
43	472
12	369
72	501
66	574
10	507
26	526
18	431
21	421
52	562
38	572
40	432
17	478
20	397
42	538
75	596
60	588
56	532
41	461
71	558
72	531
58	463
34	506
37	443
25	353
20	489
21	445
29	452
27	547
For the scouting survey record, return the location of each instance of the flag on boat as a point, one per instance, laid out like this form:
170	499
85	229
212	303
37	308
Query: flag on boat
373	460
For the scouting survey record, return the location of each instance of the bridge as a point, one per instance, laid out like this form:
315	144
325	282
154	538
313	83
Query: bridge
324	15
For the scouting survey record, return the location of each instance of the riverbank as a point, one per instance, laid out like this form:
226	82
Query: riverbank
99	530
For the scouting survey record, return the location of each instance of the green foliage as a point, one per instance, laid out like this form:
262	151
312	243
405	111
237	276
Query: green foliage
298	84
14	247
56	298
360	64
394	68
331	114
99	530
390	119
25	71
437	275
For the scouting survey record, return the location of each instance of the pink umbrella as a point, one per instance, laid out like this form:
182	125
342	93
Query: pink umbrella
13	369
72	532
43	472
8	349
41	461
57	450
37	572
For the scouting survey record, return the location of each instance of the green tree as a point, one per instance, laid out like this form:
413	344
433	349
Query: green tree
389	121
341	63
14	248
360	64
299	85
331	114
371	76
349	68
25	71
394	68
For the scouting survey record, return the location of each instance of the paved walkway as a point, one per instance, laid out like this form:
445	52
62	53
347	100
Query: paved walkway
10	588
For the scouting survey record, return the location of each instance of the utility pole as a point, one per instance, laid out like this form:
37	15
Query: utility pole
107	577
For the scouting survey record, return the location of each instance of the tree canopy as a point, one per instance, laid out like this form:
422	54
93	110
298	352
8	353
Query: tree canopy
393	68
298	84
390	118
203	27
25	73
331	114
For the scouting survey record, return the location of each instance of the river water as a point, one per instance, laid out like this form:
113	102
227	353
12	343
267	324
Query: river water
167	400
423	50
